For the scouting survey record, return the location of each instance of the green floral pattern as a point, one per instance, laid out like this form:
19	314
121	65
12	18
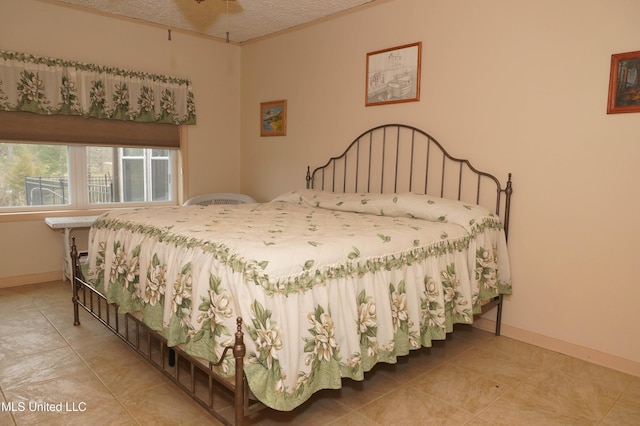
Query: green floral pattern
136	96
328	285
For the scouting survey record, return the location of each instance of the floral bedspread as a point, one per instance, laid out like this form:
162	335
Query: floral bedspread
327	284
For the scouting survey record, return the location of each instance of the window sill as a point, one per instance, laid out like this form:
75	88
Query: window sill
17	216
40	215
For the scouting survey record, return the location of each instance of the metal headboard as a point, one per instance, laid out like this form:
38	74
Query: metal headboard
398	158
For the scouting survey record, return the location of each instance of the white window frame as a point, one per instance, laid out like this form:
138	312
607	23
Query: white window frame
78	185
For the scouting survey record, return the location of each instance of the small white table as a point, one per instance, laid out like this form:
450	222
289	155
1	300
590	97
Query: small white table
65	225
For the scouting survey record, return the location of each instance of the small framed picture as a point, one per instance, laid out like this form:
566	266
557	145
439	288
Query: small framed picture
624	83
393	75
273	118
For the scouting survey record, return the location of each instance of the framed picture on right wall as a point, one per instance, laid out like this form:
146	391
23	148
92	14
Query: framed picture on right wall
624	83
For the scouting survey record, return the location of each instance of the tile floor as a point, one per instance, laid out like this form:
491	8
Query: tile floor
471	378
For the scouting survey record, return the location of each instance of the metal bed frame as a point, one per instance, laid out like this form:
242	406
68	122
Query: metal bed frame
196	377
394	158
387	158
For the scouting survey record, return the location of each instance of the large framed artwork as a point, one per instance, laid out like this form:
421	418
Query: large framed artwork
624	83
273	118
393	75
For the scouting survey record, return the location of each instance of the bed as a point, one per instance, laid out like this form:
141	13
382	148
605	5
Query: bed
389	245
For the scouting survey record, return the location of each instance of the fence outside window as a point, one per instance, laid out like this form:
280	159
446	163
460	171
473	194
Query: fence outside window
45	191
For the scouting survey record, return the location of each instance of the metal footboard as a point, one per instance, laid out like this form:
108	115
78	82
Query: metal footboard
197	378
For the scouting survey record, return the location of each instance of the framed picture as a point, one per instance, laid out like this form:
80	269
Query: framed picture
273	118
393	75
624	83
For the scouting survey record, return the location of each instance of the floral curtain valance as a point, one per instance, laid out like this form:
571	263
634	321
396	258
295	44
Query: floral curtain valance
54	86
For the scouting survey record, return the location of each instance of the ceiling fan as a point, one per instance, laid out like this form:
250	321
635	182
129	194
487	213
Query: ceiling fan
200	1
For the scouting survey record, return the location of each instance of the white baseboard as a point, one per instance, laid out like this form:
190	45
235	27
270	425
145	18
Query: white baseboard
571	349
41	277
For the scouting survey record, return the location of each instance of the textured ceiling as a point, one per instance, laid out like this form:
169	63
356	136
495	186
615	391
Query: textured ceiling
243	19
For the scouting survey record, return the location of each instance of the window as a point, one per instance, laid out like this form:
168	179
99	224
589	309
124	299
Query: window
39	176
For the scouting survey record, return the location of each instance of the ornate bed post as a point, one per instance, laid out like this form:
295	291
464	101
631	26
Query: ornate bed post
507	206
308	178
75	262
499	314
241	394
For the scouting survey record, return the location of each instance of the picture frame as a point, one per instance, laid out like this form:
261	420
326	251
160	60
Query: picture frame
273	118
624	83
393	75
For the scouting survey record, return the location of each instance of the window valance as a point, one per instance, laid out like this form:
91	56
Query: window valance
51	86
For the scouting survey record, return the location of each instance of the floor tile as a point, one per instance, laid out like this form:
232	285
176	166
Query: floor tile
59	399
321	409
574	394
88	332
460	387
13	300
520	407
626	411
593	373
41	366
633	390
354	394
503	367
354	419
120	368
28	338
163	404
405	406
522	352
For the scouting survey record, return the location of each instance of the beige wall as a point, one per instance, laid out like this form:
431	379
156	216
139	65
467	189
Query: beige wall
516	86
213	148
